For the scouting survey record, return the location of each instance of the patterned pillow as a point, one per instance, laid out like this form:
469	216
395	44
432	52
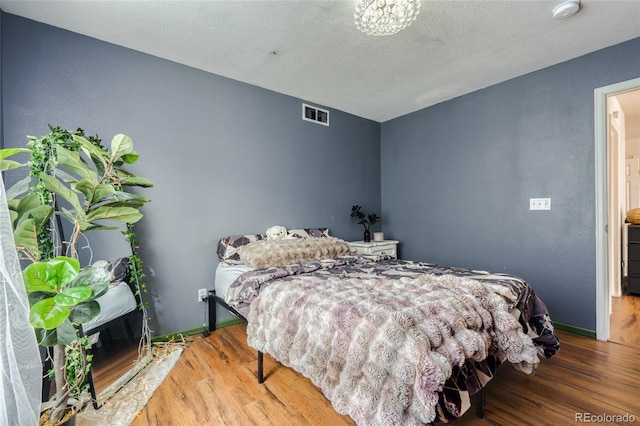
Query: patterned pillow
120	270
308	233
228	247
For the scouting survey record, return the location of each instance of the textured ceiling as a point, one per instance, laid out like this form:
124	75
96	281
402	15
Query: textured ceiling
312	49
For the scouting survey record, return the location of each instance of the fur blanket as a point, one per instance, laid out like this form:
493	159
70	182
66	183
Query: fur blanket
280	252
382	349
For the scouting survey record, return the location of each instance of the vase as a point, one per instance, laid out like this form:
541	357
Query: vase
367	236
69	418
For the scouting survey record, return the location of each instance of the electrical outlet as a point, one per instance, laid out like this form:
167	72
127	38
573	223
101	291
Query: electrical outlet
202	295
539	203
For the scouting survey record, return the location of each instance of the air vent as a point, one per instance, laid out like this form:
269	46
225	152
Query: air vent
315	114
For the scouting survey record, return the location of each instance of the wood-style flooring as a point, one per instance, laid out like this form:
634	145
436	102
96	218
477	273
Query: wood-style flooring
111	362
214	383
625	320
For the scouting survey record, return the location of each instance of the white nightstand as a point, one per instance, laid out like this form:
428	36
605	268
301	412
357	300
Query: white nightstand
389	247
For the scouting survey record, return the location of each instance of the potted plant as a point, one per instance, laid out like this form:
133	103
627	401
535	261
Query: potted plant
365	220
62	296
73	178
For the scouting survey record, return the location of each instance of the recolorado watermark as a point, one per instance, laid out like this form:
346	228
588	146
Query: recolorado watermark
604	418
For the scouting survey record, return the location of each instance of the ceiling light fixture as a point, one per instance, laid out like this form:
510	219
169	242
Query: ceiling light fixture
566	9
385	17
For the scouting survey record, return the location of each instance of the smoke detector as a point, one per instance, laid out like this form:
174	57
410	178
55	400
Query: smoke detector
566	9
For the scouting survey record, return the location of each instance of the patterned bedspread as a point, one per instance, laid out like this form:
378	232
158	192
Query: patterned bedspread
464	378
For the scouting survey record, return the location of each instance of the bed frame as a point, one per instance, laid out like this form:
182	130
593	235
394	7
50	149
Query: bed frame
213	300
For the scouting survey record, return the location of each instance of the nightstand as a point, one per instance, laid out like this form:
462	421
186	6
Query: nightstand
633	256
389	247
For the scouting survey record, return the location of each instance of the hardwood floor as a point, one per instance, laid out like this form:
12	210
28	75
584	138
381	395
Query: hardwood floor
625	320
112	362
214	383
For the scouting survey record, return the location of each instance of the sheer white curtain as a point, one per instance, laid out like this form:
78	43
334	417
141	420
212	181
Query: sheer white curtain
20	365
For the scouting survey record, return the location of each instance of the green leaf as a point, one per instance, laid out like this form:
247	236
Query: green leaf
131	158
92	151
99	162
100	289
95	192
72	161
65	333
50	276
119	214
6	165
94	277
29	202
123	195
48	314
30	217
137	181
41	214
36	296
64	176
84	312
13	216
71	217
55	186
19	188
133	202
26	235
121	145
73	296
46	337
11	164
8	152
88	226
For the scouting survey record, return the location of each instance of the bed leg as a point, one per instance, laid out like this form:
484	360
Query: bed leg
260	367
211	302
480	399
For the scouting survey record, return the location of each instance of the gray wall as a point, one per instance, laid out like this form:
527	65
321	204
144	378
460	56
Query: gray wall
457	178
230	158
226	157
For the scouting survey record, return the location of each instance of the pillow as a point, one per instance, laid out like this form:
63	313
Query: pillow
228	247
274	253
309	233
118	270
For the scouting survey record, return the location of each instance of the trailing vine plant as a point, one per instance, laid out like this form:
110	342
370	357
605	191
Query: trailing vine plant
137	274
78	366
135	263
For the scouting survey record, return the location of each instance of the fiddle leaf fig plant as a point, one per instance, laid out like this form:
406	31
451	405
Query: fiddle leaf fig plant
71	177
90	178
61	294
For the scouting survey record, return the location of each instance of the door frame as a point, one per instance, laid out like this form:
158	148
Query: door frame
603	297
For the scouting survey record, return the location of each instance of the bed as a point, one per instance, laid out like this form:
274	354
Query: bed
388	341
119	303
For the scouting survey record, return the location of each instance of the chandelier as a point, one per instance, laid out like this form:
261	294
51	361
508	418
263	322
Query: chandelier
385	17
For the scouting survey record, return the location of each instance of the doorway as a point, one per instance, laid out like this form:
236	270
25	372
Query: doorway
612	193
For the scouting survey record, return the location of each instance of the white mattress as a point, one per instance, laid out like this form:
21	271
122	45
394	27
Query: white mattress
225	276
119	300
